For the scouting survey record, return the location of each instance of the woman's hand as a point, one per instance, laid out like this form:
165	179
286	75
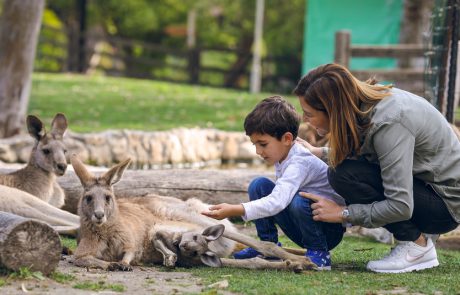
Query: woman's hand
324	209
224	210
314	150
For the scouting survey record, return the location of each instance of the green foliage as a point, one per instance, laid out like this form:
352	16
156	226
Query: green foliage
99	286
220	23
52	45
25	273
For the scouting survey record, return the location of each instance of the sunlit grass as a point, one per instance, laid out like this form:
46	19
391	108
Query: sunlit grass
101	103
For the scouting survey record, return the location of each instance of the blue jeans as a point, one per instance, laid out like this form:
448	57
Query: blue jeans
296	221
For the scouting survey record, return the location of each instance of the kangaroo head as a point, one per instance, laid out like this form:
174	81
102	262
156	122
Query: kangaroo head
193	244
98	203
49	150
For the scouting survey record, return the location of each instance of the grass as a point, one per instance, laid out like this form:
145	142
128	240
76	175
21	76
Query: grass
69	243
24	273
348	276
99	286
101	103
62	277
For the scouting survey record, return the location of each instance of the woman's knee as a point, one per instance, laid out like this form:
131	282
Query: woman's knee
340	175
351	175
260	187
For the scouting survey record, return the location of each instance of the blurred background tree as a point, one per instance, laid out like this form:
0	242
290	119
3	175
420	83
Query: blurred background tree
222	24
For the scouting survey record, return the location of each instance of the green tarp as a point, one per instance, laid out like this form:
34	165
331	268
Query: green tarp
370	22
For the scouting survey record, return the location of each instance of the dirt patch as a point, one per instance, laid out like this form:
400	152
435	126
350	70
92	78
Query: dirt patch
142	280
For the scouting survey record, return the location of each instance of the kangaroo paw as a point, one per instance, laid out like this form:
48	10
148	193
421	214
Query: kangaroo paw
114	266
170	260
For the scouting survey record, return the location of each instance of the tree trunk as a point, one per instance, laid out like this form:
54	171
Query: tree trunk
19	29
415	21
28	243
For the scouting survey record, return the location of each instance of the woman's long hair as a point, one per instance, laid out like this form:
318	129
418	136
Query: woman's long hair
347	102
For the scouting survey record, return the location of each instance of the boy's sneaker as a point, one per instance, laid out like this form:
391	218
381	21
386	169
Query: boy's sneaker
251	253
322	259
406	257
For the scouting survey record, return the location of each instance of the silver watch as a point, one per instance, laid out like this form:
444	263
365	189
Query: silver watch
345	217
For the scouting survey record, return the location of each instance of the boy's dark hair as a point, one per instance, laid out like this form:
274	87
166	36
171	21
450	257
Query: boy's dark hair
273	116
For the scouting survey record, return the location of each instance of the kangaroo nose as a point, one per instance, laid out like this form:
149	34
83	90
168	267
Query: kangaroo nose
99	214
62	167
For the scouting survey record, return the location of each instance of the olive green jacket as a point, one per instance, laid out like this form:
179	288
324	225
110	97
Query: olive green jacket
409	138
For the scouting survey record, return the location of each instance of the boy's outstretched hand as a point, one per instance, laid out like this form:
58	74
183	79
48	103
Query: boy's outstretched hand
224	210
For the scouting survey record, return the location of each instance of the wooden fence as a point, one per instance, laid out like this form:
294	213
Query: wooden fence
411	79
221	67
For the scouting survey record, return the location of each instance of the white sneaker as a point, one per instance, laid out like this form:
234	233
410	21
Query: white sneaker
406	257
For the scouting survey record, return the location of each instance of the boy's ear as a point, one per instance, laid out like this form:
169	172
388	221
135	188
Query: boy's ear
287	138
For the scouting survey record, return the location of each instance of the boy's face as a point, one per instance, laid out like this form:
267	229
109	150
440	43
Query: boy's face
270	148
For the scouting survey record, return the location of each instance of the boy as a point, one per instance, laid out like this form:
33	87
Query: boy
272	127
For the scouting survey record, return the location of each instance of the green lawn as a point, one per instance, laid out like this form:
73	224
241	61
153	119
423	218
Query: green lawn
100	103
348	276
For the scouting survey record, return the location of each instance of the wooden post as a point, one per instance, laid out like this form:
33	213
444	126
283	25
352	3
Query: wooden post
81	6
342	48
194	65
256	69
28	243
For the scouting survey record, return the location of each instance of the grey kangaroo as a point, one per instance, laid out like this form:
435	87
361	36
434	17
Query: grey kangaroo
33	192
118	233
47	160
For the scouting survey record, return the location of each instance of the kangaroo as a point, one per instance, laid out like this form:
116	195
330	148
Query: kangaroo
188	248
47	160
21	203
33	192
118	233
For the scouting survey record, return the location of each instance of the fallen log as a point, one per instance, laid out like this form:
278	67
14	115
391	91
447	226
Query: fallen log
210	186
28	243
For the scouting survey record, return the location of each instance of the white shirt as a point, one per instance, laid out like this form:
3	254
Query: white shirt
301	171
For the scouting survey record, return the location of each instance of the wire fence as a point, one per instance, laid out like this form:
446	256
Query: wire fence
441	59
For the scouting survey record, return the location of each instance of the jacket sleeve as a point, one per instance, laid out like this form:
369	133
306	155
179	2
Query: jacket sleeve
285	188
394	146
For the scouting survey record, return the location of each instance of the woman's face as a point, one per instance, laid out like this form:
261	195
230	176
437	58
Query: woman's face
317	119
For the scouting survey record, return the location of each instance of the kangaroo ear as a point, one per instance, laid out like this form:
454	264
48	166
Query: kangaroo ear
35	127
116	172
81	171
58	126
213	232
211	259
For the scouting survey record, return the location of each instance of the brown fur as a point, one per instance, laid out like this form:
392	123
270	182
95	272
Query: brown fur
47	160
116	234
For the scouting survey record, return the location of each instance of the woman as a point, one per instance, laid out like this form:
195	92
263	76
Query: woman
393	157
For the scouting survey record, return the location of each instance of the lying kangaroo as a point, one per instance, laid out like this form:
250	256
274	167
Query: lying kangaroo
47	160
117	233
26	205
188	248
